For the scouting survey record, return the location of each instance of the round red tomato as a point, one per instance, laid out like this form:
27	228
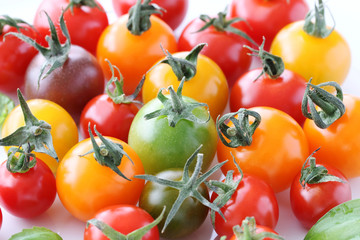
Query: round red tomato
253	197
266	18
114	216
311	202
28	194
85	24
284	93
174	14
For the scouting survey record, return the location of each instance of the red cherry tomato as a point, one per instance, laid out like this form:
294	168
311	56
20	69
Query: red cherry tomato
175	10
266	18
29	194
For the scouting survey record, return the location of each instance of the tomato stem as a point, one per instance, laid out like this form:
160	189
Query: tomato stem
13	22
80	3
318	28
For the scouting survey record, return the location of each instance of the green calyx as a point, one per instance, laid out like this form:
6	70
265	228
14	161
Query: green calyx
6	105
79	3
112	234
175	108
221	24
22	163
273	65
224	189
56	54
184	67
331	106
312	174
108	154
117	95
188	185
318	28
139	16
13	22
241	133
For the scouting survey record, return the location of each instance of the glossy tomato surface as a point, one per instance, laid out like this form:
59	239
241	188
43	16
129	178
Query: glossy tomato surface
266	18
340	147
124	219
284	93
27	195
85	24
64	131
174	14
133	54
233	59
84	186
278	149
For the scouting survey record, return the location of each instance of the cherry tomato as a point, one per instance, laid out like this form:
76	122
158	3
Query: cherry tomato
85	24
115	216
133	54
64	131
284	93
84	186
340	147
15	56
278	149
260	229
175	10
29	194
207	86
266	18
233	59
253	197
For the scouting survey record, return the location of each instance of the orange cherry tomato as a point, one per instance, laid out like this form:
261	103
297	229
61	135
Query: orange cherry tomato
340	142
208	86
277	152
133	54
64	131
84	186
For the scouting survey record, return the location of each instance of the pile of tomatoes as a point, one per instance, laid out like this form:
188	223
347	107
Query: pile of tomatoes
133	79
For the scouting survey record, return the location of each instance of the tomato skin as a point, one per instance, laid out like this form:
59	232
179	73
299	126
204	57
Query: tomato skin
85	24
161	147
115	215
111	119
1	218
191	213
259	229
253	197
278	150
207	86
340	147
15	56
233	58
296	48
133	55
175	10
284	93
71	86
64	131
266	18
84	186
309	204
29	194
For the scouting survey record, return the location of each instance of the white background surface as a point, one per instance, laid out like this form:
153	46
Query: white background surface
347	17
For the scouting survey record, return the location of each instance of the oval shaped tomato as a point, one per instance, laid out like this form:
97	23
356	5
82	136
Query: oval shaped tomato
28	194
174	14
253	197
311	202
84	186
207	86
284	93
191	213
278	149
85	24
64	131
313	57
340	147
233	59
123	218
133	54
266	18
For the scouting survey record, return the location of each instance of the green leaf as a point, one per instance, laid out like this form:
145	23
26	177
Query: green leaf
6	105
36	233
